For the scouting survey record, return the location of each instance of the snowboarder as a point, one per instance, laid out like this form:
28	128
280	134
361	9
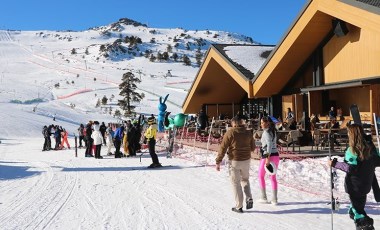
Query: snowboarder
359	164
240	143
151	135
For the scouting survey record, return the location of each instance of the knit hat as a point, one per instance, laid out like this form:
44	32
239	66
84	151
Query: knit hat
151	120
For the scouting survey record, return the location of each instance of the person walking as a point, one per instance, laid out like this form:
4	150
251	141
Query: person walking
151	135
239	143
360	161
98	140
269	159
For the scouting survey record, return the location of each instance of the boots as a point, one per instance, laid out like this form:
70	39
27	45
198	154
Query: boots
263	199
274	197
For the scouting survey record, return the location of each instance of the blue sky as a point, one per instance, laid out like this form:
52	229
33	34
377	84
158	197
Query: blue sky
264	21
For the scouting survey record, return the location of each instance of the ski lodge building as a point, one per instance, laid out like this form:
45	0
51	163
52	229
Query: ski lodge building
330	56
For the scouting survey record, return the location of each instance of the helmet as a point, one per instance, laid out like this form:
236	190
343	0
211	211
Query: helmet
271	169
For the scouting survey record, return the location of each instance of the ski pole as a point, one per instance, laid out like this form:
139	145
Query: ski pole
331	185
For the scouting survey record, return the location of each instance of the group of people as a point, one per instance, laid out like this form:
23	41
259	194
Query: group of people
361	159
59	134
127	136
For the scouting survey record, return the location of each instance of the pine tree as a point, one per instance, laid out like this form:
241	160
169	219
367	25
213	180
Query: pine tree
165	56
186	60
128	92
152	58
169	48
175	56
159	56
198	56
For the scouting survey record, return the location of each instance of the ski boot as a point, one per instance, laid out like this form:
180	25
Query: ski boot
365	223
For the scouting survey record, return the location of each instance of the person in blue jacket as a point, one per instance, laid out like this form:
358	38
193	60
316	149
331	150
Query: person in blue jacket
117	138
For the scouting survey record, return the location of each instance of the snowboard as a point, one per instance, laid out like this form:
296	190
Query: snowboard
355	113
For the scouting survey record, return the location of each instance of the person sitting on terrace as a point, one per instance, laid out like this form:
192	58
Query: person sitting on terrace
289	116
332	113
333	124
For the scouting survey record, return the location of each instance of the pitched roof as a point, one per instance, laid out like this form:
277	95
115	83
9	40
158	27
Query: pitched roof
368	5
247	59
308	31
370	2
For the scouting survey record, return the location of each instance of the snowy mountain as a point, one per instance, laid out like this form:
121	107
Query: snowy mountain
65	73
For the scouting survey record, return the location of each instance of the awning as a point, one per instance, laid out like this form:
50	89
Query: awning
340	85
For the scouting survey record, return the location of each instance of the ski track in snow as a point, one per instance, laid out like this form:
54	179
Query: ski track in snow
124	194
50	193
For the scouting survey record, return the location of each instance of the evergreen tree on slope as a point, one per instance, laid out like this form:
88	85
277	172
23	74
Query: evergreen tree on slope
128	92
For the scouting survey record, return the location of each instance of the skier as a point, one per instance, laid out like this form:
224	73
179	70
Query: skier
240	143
64	136
151	135
359	164
269	153
98	140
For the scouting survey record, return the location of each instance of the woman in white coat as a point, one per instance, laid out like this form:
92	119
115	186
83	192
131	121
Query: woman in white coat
98	139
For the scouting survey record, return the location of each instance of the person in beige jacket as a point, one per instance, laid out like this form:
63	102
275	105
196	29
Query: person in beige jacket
238	143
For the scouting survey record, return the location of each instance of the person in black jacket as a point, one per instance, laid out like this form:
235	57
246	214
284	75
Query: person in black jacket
202	120
46	134
89	140
134	136
360	161
102	130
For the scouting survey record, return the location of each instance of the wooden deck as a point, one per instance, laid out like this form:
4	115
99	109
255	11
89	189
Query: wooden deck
305	151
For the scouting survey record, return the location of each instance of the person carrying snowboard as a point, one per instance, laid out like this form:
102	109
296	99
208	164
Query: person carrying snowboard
359	164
